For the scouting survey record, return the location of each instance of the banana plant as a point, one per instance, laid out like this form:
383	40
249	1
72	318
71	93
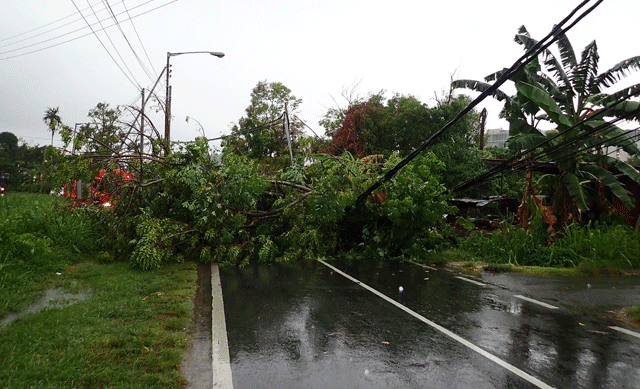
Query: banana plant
565	92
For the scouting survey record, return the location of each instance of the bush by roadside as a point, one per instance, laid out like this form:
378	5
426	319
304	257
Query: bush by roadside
634	312
594	249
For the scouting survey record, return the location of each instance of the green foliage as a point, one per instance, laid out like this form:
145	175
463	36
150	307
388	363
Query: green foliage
21	164
511	185
38	238
156	237
402	123
103	135
604	247
564	92
260	134
237	212
592	248
634	312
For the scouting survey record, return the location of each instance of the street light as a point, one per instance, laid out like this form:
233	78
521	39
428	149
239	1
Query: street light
167	118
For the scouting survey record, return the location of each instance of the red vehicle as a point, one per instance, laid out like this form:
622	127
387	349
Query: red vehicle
106	185
3	185
102	187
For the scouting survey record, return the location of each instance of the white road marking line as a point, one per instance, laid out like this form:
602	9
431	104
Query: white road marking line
535	301
220	361
421	265
445	331
625	331
472	281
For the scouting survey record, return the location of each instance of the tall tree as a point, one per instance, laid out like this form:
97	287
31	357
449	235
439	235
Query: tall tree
52	120
104	134
8	153
260	134
565	93
351	130
402	123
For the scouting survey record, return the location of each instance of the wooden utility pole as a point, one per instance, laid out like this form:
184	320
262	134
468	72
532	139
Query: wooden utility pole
142	124
483	123
288	132
167	106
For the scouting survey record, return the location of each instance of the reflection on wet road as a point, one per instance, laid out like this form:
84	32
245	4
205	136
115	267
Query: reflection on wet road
304	325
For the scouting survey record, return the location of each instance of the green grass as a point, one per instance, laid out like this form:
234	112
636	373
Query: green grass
38	237
129	334
634	312
440	257
599	249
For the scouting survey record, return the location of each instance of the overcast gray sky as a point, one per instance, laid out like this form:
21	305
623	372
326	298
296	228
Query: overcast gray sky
314	47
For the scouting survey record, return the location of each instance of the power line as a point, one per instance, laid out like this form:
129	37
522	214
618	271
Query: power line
142	65
249	130
41	27
61	35
78	37
135	84
517	163
529	56
140	40
115	48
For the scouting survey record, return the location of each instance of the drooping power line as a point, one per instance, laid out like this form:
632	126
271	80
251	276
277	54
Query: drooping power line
529	56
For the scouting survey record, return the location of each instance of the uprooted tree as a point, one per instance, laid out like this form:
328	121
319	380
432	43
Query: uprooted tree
230	209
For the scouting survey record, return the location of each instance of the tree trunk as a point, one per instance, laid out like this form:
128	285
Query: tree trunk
565	208
523	210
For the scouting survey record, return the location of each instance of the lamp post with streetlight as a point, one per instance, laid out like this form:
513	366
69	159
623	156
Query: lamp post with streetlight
167	118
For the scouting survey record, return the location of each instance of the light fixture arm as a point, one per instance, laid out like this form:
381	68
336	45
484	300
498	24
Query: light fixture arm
167	111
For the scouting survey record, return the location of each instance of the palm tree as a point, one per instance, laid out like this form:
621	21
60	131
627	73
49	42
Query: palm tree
52	119
570	94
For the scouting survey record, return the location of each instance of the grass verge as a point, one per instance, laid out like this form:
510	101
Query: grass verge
129	334
634	312
38	238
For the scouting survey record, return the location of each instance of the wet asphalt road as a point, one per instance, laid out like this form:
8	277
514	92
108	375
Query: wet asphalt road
305	325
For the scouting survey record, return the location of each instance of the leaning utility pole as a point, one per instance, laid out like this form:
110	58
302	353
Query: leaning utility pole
167	105
483	123
287	131
142	124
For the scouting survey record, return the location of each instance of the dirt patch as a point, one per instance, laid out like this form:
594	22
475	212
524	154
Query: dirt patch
621	315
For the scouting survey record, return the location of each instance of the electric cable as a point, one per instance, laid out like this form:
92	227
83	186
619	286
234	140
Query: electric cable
43	26
62	35
529	56
521	164
78	37
139	39
248	131
582	135
137	84
142	65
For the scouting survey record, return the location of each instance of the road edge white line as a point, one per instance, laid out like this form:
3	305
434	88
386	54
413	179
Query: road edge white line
529	299
471	281
220	361
625	331
520	373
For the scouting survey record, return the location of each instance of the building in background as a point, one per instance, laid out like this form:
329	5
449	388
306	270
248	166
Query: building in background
620	154
496	138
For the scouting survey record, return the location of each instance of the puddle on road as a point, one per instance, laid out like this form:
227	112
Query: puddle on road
196	365
53	298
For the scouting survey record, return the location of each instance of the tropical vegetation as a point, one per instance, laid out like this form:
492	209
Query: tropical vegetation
571	95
